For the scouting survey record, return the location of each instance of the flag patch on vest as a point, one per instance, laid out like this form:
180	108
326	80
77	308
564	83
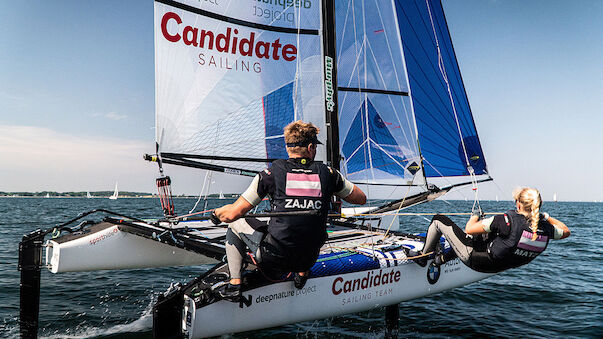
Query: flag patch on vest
303	185
527	243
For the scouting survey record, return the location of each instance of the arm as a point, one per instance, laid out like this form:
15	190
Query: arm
231	212
248	200
559	224
356	197
346	190
474	226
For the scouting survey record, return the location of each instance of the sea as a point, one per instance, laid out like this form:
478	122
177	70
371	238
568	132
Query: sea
558	295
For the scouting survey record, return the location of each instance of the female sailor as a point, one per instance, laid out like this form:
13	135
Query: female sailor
513	239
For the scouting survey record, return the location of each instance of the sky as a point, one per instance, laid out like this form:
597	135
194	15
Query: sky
77	96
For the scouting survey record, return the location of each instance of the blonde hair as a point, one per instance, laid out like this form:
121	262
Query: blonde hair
530	201
299	131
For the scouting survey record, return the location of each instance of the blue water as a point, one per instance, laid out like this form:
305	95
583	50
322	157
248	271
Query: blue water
558	295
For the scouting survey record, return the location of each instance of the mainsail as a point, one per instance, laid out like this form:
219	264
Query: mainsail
229	77
380	77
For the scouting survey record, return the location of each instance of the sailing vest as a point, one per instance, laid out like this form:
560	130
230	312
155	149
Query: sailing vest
301	185
513	245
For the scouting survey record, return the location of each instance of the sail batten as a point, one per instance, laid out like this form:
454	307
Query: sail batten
371	90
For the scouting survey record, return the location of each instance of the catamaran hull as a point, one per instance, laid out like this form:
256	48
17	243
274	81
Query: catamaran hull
110	248
281	303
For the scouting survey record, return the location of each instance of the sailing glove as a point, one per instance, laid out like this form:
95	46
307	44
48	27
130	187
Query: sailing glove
214	218
480	214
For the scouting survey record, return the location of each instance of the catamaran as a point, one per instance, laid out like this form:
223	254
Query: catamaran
381	80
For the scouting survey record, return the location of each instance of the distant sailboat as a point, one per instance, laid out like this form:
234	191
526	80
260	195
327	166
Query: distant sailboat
221	195
115	193
555	197
497	198
88	195
47	195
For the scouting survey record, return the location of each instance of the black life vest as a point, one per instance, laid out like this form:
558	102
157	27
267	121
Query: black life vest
513	245
300	185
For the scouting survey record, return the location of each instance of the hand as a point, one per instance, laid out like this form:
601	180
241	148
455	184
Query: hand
478	214
214	218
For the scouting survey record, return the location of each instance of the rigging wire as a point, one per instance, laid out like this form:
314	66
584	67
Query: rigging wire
445	77
207	173
399	208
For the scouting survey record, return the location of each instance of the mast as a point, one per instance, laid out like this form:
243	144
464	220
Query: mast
330	82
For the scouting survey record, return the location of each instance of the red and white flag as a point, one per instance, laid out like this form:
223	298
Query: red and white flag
303	185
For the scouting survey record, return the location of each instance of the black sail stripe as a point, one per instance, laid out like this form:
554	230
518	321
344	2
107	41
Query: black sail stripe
370	90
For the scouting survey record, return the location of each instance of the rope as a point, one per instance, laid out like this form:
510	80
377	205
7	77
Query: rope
393	259
410	214
196	213
201	193
399	208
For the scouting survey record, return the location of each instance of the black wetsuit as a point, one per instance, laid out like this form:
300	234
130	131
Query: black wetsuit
292	243
508	245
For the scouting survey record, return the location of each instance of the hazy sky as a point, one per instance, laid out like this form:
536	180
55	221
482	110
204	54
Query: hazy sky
77	95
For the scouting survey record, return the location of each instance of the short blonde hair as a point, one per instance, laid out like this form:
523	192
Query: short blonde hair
299	131
530	200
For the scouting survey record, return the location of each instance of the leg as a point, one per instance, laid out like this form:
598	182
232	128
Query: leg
460	242
239	237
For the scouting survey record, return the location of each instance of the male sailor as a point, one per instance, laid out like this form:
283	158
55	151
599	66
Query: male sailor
288	243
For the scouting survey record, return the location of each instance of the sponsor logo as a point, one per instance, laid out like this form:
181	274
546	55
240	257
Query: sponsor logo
212	2
371	280
265	9
433	273
189	318
225	41
329	83
287	3
104	236
232	171
268	298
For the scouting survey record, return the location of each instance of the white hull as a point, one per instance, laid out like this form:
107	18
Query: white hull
281	303
112	249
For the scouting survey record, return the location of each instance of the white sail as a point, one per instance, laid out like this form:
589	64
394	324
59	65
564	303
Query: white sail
115	193
88	195
228	86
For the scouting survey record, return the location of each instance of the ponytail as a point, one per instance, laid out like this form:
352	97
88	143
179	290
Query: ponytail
530	200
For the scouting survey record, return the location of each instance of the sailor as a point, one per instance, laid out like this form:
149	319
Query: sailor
500	242
285	243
